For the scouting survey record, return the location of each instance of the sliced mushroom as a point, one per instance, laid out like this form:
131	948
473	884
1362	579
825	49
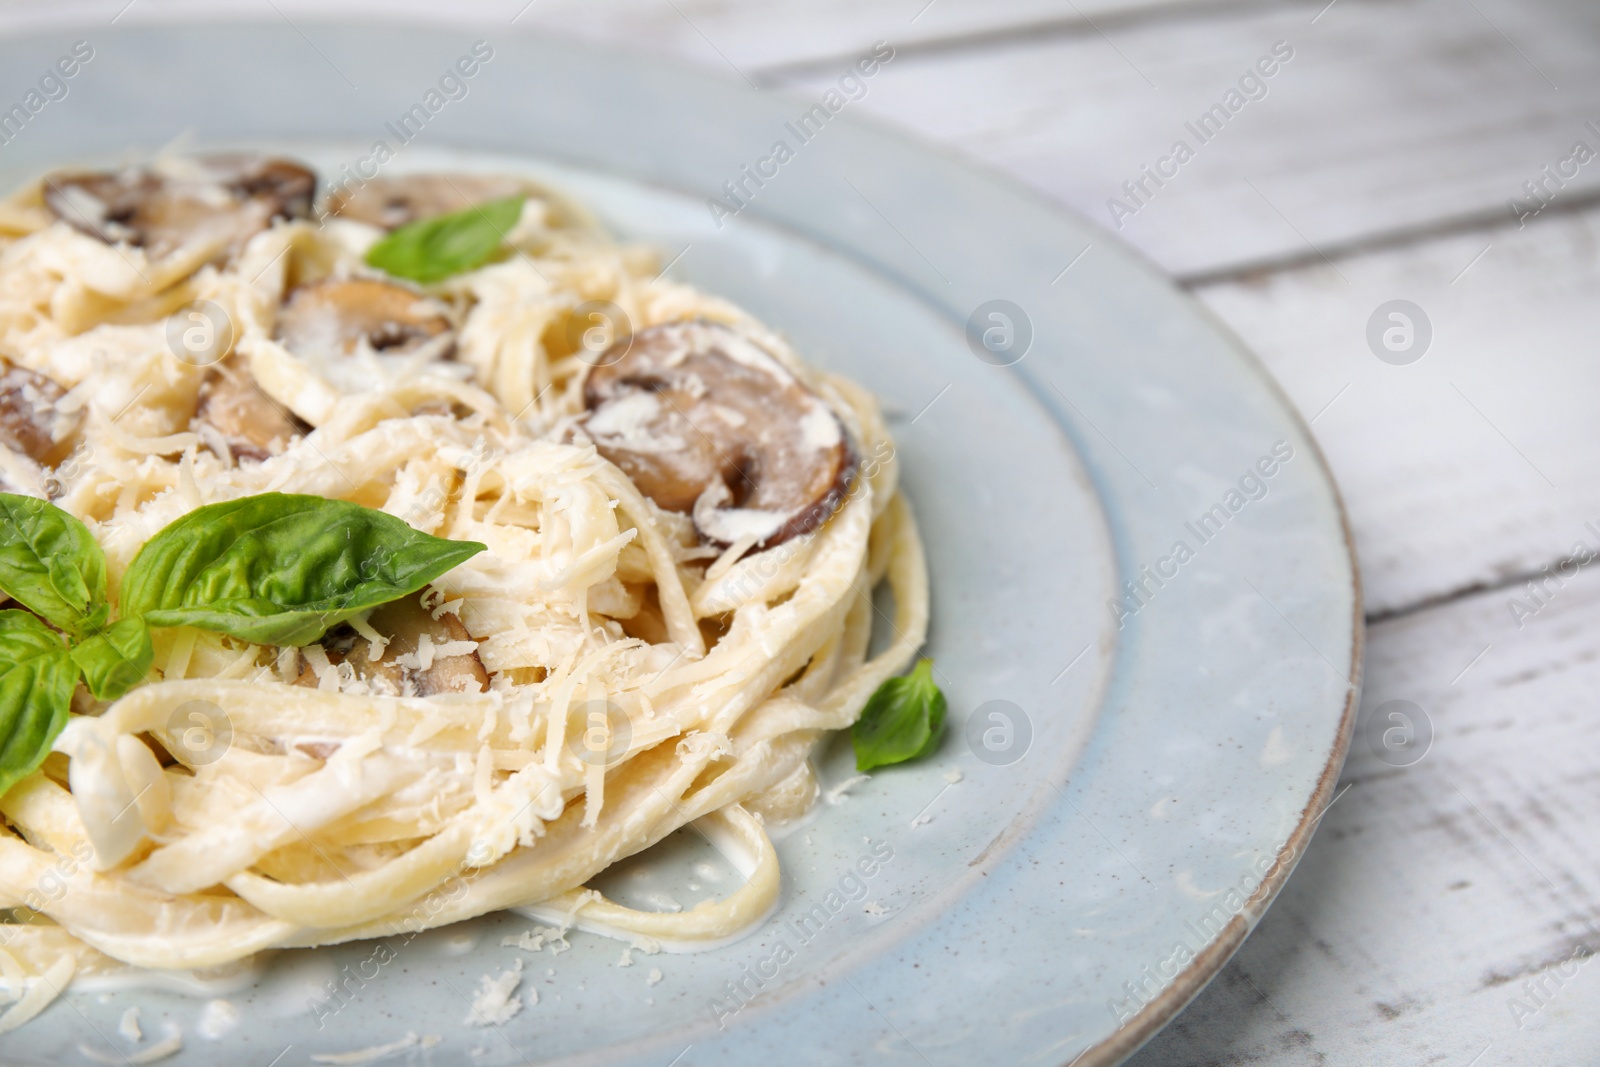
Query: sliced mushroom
704	420
31	420
335	317
220	200
410	663
235	412
389	203
415	638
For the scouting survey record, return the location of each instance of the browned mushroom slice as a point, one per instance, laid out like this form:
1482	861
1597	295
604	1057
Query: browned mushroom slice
704	420
233	407
393	202
416	642
342	644
221	199
422	657
333	318
31	421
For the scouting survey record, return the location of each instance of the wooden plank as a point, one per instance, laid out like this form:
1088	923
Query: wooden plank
756	34
1437	896
741	37
1389	114
1480	461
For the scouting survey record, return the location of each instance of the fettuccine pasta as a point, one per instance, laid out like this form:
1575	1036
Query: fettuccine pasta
619	662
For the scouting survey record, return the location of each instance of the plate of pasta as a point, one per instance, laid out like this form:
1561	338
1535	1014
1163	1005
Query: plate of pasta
502	592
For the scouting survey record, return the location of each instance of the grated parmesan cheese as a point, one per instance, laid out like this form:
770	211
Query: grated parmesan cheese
452	607
217	1019
427	651
496	1003
837	793
539	938
704	743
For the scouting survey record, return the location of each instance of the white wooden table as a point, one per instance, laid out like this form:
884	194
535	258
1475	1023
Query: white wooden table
1446	910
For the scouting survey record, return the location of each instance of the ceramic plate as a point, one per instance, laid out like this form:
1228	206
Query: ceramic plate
1146	610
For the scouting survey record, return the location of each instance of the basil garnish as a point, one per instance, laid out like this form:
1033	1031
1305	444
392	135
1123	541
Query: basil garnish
430	250
273	569
37	677
903	720
50	564
280	569
116	659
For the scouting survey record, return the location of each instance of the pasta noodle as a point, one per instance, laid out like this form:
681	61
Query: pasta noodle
320	806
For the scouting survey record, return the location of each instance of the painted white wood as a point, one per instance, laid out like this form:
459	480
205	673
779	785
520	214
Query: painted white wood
1434	894
757	34
1479	462
740	37
1389	114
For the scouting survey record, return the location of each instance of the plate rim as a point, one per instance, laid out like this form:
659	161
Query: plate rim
1190	982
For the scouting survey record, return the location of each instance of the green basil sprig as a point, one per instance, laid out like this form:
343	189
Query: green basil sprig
280	569
37	677
50	564
430	250
903	720
273	569
116	659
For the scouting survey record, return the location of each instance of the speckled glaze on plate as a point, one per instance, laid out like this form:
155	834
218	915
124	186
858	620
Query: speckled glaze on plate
1122	790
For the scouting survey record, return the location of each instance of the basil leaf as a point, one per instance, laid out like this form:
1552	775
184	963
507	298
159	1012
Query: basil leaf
903	720
279	569
51	565
116	659
429	250
36	682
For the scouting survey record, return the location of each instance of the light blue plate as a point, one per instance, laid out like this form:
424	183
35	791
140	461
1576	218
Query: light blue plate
1135	782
